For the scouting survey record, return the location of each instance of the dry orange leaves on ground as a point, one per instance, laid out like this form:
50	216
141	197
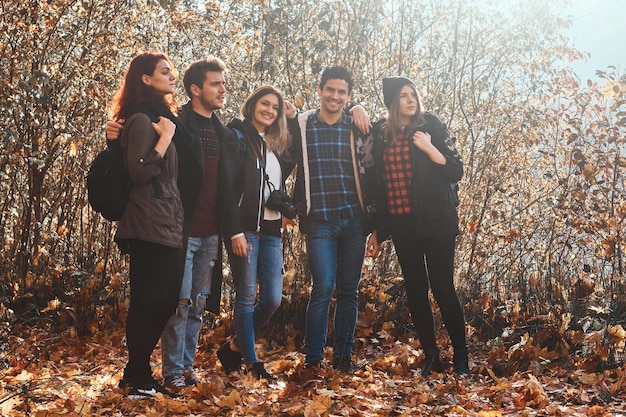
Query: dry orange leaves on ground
69	376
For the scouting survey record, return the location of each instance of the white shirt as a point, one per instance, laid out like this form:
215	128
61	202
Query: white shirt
273	171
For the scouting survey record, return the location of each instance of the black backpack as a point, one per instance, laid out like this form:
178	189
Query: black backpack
108	182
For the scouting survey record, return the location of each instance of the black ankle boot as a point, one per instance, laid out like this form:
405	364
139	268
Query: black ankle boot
431	362
461	362
230	360
259	371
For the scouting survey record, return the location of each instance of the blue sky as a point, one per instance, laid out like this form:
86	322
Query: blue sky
599	27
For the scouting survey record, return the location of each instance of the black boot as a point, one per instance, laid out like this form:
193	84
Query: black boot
461	362
431	362
344	364
259	371
231	360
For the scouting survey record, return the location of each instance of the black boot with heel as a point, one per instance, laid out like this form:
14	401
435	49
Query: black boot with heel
431	362
230	360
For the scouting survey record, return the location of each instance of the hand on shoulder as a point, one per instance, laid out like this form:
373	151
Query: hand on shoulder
114	129
360	118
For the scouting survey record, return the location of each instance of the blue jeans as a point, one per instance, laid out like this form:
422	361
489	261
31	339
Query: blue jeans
180	337
335	251
263	265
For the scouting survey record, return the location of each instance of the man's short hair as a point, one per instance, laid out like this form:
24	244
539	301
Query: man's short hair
339	73
196	72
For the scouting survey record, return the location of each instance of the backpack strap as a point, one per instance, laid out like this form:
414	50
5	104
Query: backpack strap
150	114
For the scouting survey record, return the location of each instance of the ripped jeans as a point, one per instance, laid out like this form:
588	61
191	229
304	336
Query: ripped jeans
180	337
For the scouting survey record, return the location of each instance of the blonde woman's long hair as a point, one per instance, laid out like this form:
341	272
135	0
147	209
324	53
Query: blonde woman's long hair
276	133
394	119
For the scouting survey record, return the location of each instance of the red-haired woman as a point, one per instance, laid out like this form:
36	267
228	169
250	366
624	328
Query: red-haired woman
151	228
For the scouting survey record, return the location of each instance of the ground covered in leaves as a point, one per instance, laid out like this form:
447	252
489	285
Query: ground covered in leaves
64	375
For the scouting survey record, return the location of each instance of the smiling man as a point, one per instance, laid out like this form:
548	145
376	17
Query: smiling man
332	211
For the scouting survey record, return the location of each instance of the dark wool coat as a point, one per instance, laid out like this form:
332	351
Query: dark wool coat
193	174
433	190
191	169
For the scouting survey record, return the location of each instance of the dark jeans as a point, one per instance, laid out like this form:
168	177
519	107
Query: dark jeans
155	276
424	262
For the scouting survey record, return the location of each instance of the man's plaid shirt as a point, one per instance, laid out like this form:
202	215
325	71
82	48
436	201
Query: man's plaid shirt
333	187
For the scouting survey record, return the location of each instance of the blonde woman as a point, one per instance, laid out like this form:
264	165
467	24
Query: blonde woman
253	228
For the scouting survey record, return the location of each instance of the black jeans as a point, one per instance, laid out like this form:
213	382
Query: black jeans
424	262
155	277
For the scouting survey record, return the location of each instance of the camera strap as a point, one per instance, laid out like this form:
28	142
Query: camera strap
259	151
271	186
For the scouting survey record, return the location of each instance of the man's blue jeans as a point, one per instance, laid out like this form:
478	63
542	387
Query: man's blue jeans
180	337
263	265
335	251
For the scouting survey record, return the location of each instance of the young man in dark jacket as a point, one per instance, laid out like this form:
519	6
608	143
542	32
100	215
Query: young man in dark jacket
204	84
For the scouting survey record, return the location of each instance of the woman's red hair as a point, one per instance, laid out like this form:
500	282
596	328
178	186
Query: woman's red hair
134	95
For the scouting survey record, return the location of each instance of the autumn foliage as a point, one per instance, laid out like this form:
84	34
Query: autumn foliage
540	259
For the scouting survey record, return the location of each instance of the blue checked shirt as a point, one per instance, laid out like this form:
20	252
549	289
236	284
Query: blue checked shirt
333	187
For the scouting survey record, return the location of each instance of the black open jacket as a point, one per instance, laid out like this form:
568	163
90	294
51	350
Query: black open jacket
191	175
249	181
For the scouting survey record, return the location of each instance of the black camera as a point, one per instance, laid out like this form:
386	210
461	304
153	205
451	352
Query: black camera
279	200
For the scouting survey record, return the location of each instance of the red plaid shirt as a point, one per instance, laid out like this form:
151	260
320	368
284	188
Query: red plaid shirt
398	176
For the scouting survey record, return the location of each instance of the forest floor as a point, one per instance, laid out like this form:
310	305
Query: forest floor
61	374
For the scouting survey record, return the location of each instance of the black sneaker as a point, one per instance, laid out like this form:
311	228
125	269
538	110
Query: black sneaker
230	360
136	394
145	390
